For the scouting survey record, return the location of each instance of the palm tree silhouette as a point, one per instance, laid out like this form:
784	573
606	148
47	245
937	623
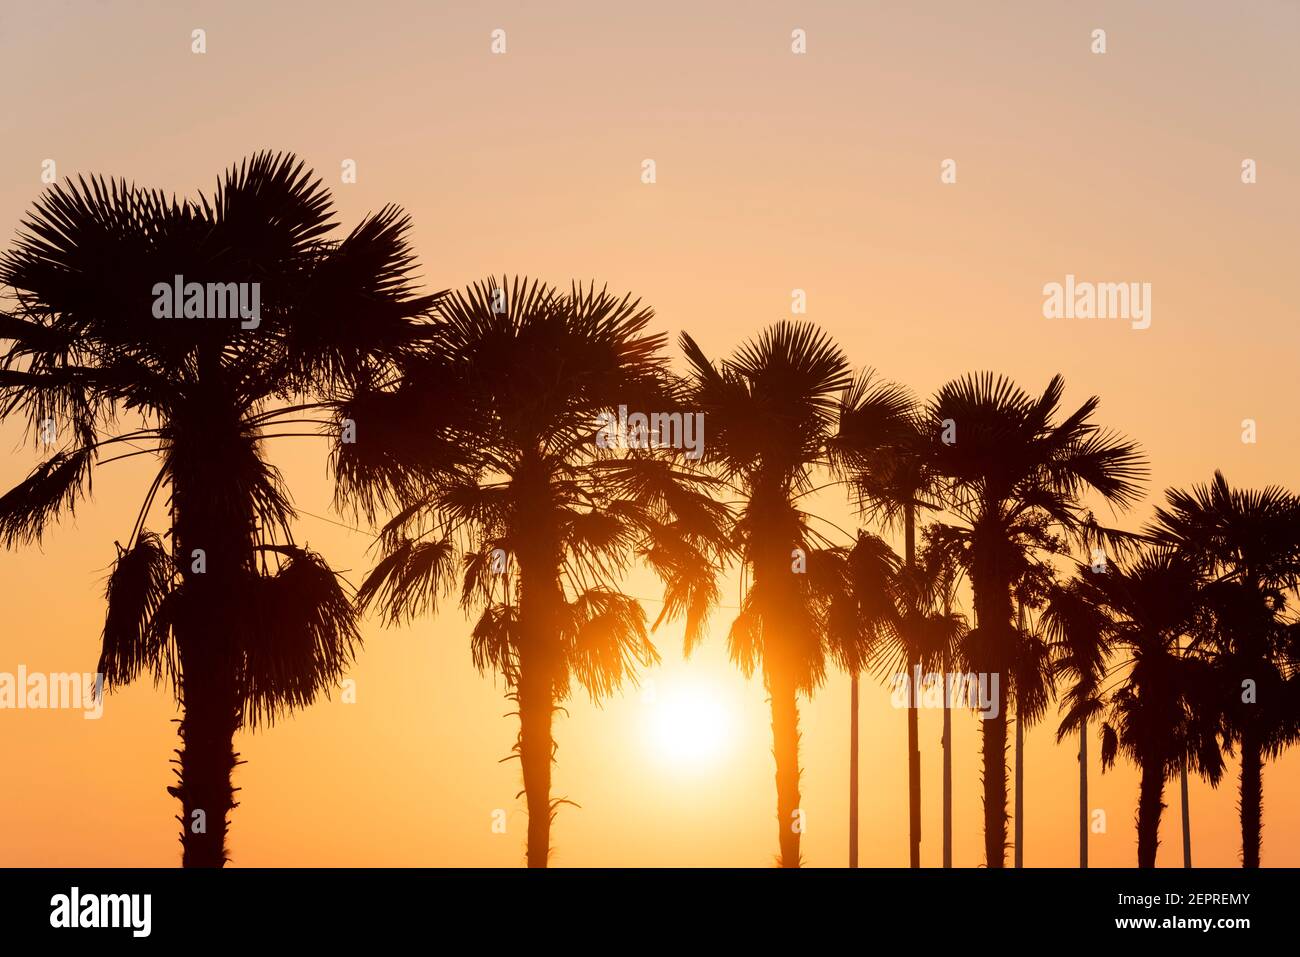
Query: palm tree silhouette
864	614
242	623
487	446
1246	543
879	448
1009	468
1032	688
771	409
1163	713
1080	634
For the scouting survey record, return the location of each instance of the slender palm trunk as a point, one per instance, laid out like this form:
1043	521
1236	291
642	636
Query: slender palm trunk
993	751
993	615
540	599
1182	783
1020	791
853	772
1083	794
1150	806
1251	796
785	738
913	717
536	748
947	760
1020	763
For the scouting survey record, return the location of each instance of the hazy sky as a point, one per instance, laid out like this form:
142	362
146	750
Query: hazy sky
775	171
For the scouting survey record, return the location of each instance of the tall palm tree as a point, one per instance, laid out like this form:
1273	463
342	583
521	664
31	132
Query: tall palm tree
922	635
943	557
490	449
865	614
241	622
880	450
1032	689
1164	711
1247	543
1079	632
1009	466
771	409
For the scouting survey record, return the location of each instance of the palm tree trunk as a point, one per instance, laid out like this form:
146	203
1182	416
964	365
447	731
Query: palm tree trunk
1252	799
1150	806
539	600
536	747
1020	791
913	722
1020	765
853	772
213	544
993	618
1083	794
206	761
993	750
1187	815
206	758
785	738
947	763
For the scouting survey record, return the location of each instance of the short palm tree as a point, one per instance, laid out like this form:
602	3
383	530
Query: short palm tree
1009	465
1247	544
486	445
241	622
771	410
1164	711
1079	632
1032	687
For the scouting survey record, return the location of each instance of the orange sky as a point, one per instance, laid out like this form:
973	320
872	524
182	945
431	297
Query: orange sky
775	172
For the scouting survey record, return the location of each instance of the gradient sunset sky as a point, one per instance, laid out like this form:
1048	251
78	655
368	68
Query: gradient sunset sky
775	171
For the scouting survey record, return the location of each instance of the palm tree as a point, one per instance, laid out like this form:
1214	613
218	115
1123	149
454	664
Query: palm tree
943	559
489	447
242	623
864	614
1079	632
1032	689
879	449
771	409
1009	467
1247	544
1163	714
920	635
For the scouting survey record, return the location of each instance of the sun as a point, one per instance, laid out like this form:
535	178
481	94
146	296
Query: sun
689	725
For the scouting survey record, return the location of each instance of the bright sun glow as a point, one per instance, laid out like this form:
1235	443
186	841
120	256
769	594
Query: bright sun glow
689	724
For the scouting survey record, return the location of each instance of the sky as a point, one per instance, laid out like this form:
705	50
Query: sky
774	171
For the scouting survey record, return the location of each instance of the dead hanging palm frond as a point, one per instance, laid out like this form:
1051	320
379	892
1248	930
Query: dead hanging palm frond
1031	677
690	578
1109	746
494	643
57	483
299	636
606	641
137	635
410	579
